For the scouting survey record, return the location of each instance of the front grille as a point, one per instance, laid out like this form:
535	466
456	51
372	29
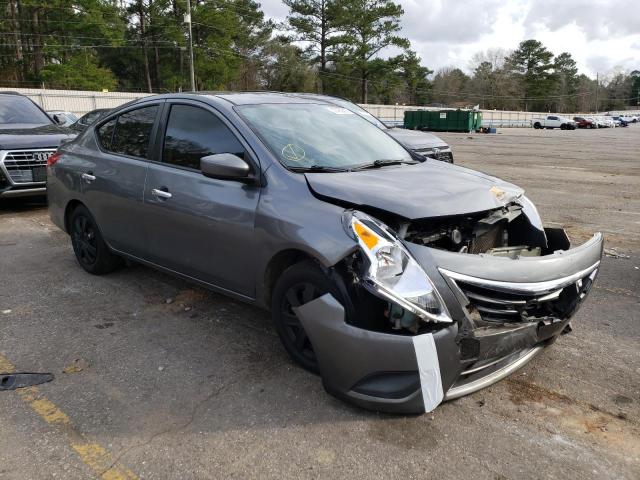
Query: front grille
446	156
27	166
498	302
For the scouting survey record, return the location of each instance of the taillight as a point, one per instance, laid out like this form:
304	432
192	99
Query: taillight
53	158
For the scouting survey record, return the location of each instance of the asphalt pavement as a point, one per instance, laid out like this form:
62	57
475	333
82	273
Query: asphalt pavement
156	378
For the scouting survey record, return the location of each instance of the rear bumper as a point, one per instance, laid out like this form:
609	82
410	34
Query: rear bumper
412	374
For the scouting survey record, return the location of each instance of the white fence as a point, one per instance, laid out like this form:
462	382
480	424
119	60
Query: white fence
78	102
81	102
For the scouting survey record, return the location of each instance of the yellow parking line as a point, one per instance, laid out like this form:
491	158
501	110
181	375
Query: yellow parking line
92	454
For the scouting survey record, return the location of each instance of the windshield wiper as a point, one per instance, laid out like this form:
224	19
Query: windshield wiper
383	163
318	168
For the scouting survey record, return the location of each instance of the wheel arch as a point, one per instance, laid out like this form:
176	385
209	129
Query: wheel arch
68	210
276	266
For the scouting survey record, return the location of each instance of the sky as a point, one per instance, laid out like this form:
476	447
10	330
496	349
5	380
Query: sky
603	36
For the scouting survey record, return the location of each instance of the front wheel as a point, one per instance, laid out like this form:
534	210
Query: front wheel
299	284
91	251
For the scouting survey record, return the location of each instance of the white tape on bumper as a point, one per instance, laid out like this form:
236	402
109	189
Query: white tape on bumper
429	370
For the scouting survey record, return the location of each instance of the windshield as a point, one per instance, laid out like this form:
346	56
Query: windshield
358	110
321	136
15	109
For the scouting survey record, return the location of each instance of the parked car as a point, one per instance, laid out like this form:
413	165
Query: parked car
402	280
585	122
422	143
554	121
64	119
28	136
605	122
619	121
88	118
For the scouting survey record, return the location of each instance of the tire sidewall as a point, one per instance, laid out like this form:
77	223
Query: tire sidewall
106	261
306	271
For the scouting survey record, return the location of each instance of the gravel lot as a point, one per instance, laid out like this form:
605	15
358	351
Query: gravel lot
159	379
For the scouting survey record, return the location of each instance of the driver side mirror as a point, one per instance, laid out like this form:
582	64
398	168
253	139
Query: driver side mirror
225	166
57	119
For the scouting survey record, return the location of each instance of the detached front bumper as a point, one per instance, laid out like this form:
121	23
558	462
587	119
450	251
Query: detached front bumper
506	311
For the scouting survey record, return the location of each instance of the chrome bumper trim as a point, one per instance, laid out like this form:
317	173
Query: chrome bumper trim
23	192
525	287
505	371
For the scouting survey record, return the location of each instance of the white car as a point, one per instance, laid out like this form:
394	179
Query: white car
553	121
629	118
63	118
605	122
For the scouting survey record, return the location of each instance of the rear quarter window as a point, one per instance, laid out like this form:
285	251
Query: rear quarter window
105	134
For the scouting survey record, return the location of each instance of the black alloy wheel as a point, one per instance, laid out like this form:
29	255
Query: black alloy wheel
84	240
91	251
298	295
298	285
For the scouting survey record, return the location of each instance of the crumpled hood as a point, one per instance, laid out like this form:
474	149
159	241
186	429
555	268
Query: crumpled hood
414	140
30	136
428	189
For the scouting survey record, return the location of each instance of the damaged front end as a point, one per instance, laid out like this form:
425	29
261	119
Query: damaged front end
439	308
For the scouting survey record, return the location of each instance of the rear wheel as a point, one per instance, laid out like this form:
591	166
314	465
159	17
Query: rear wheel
299	284
91	251
537	125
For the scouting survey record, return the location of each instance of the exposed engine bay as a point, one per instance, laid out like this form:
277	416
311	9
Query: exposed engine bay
501	232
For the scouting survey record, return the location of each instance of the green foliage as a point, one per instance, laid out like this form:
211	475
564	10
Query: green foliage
286	68
80	72
368	26
316	23
348	48
531	64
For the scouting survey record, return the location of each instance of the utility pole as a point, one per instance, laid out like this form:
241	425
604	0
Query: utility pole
187	20
597	86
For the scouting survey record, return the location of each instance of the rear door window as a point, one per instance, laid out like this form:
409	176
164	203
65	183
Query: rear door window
193	133
133	131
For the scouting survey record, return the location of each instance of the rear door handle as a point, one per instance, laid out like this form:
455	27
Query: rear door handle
161	193
88	177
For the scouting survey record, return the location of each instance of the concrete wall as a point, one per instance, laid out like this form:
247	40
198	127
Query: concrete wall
80	102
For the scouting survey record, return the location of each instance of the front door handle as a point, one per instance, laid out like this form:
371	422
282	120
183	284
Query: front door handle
163	194
88	177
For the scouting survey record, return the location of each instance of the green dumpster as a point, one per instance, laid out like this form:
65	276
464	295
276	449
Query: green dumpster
443	120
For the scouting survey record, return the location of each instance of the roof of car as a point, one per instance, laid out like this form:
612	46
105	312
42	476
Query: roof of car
251	98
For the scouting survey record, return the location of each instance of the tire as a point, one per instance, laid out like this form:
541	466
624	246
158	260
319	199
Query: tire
563	126
92	253
297	285
537	125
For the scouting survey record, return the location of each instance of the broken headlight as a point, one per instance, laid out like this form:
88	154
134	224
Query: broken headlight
393	273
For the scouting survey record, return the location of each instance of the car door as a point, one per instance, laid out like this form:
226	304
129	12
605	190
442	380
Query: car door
112	181
199	226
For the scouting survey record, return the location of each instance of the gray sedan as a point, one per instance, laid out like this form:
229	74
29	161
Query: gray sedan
403	281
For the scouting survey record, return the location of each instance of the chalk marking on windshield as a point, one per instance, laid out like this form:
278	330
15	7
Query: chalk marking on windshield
293	152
